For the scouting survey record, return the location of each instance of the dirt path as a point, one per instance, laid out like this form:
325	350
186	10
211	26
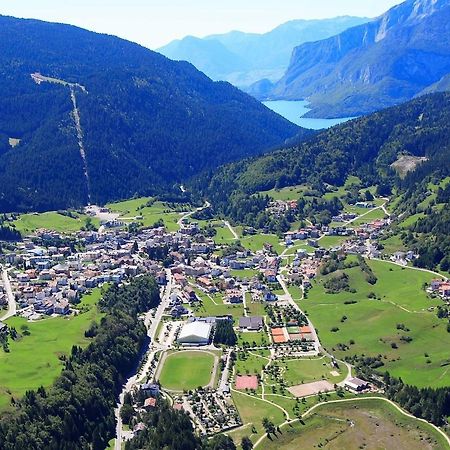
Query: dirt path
232	231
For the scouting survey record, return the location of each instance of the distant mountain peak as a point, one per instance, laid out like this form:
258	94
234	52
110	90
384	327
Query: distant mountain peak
243	58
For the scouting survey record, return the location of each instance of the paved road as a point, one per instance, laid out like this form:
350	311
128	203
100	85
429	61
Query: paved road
12	307
224	377
188	214
152	326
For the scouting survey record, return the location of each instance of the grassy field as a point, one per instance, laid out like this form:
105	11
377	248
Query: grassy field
209	308
256	242
373	324
411	220
332	241
372	215
252	410
251	363
368	424
33	360
392	244
287	193
187	370
28	223
135	210
306	370
260	338
255	308
244	273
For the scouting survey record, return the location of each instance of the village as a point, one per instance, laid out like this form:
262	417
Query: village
204	287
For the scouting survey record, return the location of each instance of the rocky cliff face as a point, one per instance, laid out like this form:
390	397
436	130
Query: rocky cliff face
374	65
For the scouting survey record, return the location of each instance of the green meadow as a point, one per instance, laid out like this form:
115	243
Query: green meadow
368	423
215	306
28	223
33	360
135	210
382	326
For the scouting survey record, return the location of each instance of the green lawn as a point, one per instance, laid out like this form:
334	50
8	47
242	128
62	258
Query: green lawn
369	423
135	210
223	234
253	363
332	241
374	214
185	370
256	242
33	360
244	273
255	308
411	220
28	223
295	292
372	324
209	308
260	338
392	244
306	370
287	193
252	410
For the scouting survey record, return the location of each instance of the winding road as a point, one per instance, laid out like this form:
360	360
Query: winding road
12	306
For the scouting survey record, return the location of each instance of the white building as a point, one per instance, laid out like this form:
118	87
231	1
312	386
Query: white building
195	333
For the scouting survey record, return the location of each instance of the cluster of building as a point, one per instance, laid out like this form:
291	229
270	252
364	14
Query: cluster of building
440	287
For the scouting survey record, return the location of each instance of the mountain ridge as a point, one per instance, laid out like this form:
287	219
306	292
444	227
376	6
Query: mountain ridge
372	66
148	123
255	56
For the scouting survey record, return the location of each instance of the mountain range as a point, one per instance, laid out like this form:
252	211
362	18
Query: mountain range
113	119
402	54
244	58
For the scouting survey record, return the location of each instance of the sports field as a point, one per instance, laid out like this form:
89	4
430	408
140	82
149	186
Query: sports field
185	370
369	424
384	325
33	360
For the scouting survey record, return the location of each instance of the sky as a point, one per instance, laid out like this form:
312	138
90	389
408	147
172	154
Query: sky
154	23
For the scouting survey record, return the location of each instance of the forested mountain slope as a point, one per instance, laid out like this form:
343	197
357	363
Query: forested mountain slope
365	147
244	58
147	123
385	62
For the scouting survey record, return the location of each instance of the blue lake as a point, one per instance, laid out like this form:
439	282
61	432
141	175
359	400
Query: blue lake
294	110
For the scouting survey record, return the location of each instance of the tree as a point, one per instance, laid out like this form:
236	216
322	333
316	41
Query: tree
221	442
268	426
246	443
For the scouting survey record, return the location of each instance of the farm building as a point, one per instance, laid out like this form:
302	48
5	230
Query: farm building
357	385
195	333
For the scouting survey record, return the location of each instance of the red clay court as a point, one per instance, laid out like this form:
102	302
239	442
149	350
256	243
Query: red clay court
246	382
277	332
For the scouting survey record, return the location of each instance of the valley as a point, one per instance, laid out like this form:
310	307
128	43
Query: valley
188	266
281	360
